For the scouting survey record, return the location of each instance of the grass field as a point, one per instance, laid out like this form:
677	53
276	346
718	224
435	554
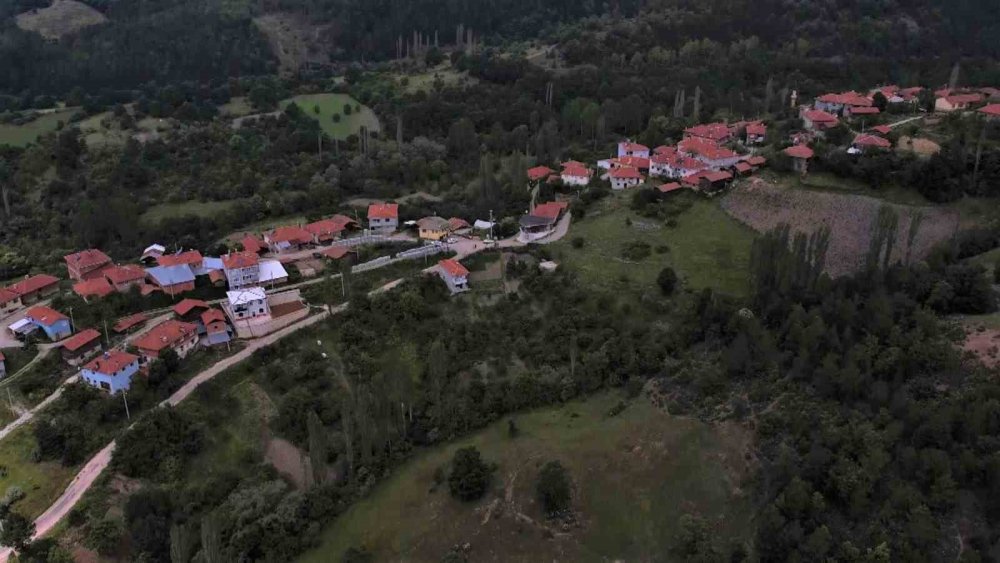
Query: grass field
332	104
707	247
42	482
23	135
634	475
236	107
199	208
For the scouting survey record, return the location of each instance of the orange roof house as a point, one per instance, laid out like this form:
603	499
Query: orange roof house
94	287
86	264
173	334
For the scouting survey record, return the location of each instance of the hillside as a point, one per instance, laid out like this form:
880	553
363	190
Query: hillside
62	18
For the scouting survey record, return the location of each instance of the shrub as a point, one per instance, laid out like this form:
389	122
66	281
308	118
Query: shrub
348	109
578	242
636	251
996	272
336	118
662	249
553	488
470	475
667	280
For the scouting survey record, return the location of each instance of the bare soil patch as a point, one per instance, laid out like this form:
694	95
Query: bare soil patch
763	206
293	39
63	17
921	147
288	460
985	345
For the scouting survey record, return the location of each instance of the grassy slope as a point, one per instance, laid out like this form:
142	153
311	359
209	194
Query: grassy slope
330	104
634	476
199	208
23	135
707	247
42	483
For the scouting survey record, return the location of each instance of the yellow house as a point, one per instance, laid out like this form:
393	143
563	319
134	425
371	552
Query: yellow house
433	228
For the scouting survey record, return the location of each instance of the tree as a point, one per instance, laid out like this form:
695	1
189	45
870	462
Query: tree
667	280
211	539
880	101
553	489
317	447
17	531
181	543
170	359
470	475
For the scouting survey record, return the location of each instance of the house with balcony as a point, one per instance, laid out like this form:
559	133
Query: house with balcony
111	371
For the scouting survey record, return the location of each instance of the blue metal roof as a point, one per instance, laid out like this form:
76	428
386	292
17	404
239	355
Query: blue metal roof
171	275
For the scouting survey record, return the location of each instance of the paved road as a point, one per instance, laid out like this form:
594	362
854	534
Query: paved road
93	468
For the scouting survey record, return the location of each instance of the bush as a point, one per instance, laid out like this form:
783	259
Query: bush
636	251
470	475
667	280
578	242
553	488
996	272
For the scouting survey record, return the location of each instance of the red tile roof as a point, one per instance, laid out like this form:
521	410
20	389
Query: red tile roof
756	161
8	295
252	244
164	335
743	167
124	274
457	223
130	321
212	315
717	176
756	129
569	163
632	147
625	172
539	172
957	99
864	111
336	252
99	287
819	116
550	210
329	226
216	276
992	110
639	162
45	315
704	148
799	151
291	234
847	98
87	259
111	362
453	268
33	284
190	258
872	141
577	171
81	339
383	211
882	129
236	260
669	187
185	306
714	131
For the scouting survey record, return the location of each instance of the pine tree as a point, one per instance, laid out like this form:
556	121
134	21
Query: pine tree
318	447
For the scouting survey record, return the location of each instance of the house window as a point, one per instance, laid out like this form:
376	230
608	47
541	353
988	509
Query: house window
105	385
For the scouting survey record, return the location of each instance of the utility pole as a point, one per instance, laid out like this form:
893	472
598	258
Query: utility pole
107	339
124	398
72	322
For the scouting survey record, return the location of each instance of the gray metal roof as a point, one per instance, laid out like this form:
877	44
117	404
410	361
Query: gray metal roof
171	275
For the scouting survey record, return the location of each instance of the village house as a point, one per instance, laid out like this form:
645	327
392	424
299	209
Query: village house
756	161
383	217
175	335
433	228
82	345
861	111
756	133
272	273
93	288
575	174
35	288
624	177
111	371
681	166
252	244
459	225
839	103
669	187
217	330
867	143
241	269
991	111
190	258
743	168
708	180
172	280
247	303
152	253
957	102
818	120
86	264
882	130
628	148
10	301
538	173
126	324
454	275
190	310
711	155
715	132
800	155
123	278
327	230
287	239
54	324
659	163
541	221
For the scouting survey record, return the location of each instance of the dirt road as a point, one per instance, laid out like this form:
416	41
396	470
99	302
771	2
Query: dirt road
96	465
26	417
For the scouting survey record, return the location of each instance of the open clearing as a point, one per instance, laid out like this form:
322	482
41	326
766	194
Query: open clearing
41	482
634	476
163	211
707	247
921	147
424	81
24	135
293	40
61	18
333	104
763	204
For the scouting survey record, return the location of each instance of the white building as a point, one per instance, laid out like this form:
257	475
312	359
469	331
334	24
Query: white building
247	303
